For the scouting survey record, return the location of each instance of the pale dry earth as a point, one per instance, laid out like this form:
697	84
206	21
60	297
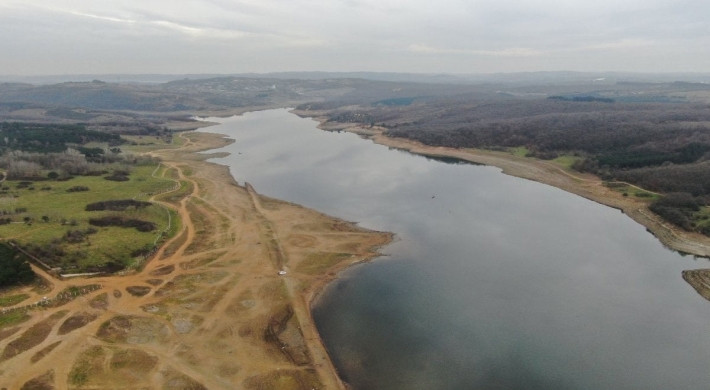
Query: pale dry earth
209	311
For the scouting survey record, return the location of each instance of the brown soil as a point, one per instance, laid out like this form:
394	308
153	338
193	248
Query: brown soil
204	324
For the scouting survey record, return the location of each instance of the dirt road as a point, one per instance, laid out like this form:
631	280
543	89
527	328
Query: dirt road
209	311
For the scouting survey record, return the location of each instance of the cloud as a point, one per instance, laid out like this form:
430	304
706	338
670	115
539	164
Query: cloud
51	36
508	52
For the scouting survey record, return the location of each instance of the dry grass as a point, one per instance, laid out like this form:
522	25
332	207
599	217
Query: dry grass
176	380
44	352
76	321
42	382
319	262
99	302
89	364
32	337
138	291
284	380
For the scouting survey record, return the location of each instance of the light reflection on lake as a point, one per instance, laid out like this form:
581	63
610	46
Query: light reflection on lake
495	282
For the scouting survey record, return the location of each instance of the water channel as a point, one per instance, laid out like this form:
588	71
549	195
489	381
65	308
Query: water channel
494	282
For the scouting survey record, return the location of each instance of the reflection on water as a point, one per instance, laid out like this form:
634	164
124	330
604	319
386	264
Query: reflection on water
494	283
451	160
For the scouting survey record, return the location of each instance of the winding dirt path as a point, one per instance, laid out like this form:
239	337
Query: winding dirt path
210	309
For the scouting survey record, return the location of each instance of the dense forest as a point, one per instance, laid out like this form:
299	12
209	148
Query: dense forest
14	268
28	137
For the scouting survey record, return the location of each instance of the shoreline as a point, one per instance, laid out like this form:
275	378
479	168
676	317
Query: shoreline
303	299
211	308
585	185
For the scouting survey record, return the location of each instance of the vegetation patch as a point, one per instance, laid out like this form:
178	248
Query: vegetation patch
32	337
174	197
117	205
204	230
54	218
87	366
175	244
76	321
678	208
132	330
138	291
13	317
118	175
78	189
115	220
13	300
42	382
99	302
164	270
132	362
154	282
14	269
44	351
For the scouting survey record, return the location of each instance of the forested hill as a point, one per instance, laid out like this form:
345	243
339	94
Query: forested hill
654	135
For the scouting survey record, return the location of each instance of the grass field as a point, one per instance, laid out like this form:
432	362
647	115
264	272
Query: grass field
566	160
632	191
47	210
142	144
702	218
520	151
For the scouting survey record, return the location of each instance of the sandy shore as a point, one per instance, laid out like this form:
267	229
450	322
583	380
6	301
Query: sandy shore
585	185
210	310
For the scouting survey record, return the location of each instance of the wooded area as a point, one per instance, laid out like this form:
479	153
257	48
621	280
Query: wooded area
663	147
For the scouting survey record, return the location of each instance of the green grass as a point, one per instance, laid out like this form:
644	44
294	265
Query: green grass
624	188
520	151
566	160
59	206
13	300
702	217
13	318
175	197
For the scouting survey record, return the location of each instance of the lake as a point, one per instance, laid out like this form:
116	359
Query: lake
493	282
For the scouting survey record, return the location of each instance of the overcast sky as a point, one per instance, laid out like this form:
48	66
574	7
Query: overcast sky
442	36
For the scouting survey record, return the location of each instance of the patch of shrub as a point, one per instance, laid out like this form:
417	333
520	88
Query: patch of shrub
14	268
78	189
116	205
115	220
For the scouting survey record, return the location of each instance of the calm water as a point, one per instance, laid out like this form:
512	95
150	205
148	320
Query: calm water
494	282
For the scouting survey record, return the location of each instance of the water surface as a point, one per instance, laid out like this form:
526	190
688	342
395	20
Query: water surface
494	282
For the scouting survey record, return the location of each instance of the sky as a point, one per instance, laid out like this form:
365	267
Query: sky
415	36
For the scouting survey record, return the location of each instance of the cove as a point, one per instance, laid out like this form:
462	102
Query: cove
494	282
